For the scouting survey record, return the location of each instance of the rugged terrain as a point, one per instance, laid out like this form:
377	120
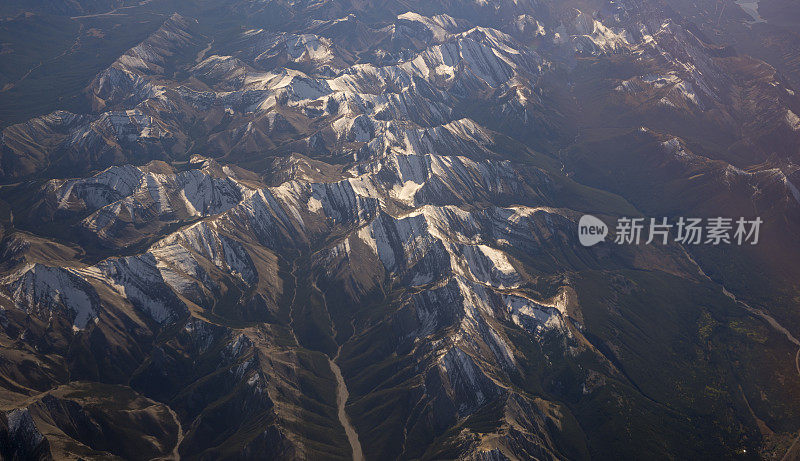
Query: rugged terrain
263	229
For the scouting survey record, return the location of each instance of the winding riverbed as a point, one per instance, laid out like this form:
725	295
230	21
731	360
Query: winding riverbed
342	394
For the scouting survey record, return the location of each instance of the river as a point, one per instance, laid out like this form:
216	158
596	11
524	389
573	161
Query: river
342	394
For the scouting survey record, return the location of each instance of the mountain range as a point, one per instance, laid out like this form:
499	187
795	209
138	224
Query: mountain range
347	229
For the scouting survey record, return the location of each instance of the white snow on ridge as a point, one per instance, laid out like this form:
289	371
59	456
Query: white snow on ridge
793	120
53	288
532	316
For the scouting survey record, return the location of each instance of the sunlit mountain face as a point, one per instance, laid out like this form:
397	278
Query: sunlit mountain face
349	229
